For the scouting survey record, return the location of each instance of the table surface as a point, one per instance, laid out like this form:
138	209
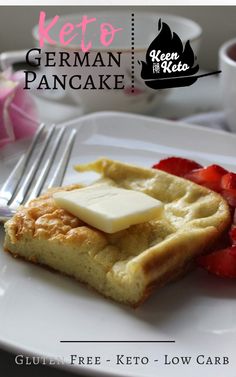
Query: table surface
203	96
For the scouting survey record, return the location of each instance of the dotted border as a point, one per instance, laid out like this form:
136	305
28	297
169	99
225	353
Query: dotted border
132	52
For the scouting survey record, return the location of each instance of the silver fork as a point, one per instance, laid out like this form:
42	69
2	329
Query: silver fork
28	178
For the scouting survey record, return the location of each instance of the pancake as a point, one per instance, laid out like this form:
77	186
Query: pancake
127	265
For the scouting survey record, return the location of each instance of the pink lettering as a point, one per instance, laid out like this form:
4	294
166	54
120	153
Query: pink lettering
107	30
83	25
43	31
66	30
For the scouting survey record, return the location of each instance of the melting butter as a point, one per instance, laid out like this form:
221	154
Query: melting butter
109	208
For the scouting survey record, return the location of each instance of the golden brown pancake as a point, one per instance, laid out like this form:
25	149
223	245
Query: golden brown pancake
127	265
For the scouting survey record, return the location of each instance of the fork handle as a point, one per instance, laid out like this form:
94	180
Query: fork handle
6	213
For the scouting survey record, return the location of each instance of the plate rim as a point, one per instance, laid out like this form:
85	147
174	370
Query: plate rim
168	122
78	123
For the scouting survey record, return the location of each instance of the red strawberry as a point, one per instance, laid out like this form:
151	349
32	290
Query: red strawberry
221	263
232	234
209	177
230	197
234	217
228	184
177	166
228	181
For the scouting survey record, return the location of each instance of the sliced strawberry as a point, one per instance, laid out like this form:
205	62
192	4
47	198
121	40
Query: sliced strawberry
177	166
228	181
234	217
209	176
232	234
230	197
221	263
228	188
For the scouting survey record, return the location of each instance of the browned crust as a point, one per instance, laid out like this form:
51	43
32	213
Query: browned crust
169	276
49	222
174	274
210	241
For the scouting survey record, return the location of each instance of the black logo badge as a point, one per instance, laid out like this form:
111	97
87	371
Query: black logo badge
168	63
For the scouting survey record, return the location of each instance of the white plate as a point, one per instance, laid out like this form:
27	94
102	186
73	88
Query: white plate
39	308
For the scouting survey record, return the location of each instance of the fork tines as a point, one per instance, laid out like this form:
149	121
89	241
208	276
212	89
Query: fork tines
50	146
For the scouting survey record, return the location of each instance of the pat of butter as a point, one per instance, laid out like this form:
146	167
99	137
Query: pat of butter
109	208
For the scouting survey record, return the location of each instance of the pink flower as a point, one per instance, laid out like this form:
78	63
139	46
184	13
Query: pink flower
18	115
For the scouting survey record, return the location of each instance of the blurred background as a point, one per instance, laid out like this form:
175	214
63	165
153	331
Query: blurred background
218	25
